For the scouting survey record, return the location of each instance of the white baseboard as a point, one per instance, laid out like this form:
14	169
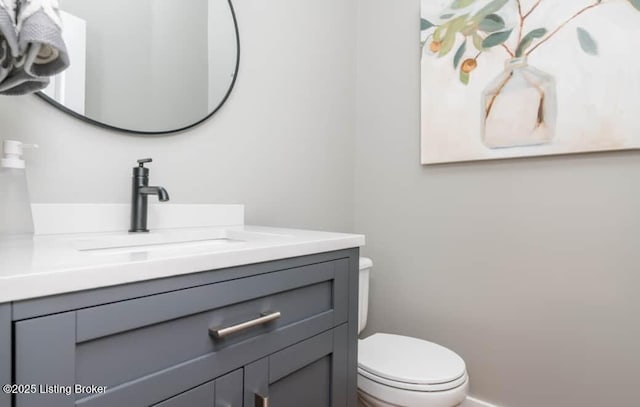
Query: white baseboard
474	402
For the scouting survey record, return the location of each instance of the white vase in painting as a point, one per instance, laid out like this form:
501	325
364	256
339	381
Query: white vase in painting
519	107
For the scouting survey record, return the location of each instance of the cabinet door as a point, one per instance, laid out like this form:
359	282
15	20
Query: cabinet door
223	392
201	396
312	373
229	390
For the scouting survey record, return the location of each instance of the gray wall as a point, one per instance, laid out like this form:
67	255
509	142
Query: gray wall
527	268
283	144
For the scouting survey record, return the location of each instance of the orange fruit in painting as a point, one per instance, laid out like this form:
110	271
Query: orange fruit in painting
435	46
469	65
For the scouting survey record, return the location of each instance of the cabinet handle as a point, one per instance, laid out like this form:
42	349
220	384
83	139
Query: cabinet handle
261	401
266	317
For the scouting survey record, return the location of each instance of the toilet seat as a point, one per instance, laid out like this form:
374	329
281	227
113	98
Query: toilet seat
408	363
378	395
412	386
396	370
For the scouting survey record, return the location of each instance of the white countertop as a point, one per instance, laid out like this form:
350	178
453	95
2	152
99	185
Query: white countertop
63	263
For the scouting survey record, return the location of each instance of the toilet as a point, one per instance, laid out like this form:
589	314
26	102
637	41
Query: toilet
395	370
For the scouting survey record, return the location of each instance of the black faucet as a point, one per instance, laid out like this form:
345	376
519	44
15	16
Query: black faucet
140	190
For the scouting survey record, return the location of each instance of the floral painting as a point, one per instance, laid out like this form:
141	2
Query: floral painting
517	78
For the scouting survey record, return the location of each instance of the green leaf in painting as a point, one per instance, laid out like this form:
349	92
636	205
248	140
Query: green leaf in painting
496	39
446	16
437	34
528	39
464	77
477	41
635	3
425	24
587	42
447	43
457	4
491	23
490	8
459	54
453	28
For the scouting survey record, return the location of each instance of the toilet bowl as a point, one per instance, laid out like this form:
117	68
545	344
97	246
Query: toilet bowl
395	370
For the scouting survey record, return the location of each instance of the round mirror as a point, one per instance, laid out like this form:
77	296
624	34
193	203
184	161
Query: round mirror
146	66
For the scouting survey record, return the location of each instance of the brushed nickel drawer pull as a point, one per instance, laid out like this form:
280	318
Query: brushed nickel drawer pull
266	317
261	401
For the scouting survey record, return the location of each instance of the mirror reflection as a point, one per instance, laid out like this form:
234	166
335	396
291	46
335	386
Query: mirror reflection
148	66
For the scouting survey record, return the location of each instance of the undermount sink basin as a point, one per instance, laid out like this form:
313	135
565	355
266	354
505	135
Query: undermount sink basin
205	239
203	244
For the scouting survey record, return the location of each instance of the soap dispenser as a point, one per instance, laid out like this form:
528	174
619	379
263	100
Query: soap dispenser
15	207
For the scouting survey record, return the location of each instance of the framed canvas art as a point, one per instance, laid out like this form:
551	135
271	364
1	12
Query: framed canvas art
518	78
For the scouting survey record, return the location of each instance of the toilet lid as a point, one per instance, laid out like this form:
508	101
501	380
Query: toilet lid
409	360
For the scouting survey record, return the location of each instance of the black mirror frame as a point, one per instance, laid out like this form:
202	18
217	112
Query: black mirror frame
163	132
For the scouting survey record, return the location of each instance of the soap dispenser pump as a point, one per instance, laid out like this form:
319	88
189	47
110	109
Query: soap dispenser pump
15	206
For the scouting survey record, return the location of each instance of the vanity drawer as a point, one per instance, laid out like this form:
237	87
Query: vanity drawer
150	348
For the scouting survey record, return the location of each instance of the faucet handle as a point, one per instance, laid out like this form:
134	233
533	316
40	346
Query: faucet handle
143	161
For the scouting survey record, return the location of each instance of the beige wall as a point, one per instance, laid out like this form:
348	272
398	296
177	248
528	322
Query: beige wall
282	145
529	269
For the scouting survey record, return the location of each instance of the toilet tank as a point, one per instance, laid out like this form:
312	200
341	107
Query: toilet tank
363	292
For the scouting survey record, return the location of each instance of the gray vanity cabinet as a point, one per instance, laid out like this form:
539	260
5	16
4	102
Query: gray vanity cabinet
281	333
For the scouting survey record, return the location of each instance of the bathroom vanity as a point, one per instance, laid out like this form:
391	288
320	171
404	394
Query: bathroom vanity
262	317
